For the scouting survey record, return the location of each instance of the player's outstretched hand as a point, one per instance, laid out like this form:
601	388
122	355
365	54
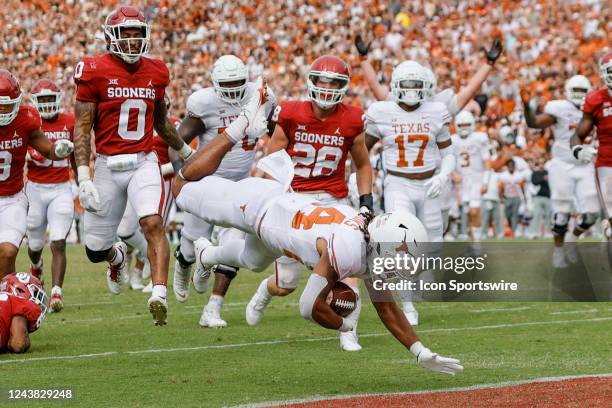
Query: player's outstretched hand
437	363
362	47
494	52
585	154
250	117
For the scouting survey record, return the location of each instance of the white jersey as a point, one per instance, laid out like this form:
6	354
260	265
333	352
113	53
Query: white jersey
447	96
293	223
567	116
471	152
409	138
216	115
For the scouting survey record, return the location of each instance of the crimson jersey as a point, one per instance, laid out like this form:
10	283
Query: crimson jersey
599	104
125	95
14	139
10	306
43	170
319	148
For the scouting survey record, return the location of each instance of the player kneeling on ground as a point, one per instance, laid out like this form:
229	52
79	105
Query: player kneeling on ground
327	239
23	306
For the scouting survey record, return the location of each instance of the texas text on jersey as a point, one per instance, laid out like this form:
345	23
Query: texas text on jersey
126	96
43	170
599	104
319	148
14	139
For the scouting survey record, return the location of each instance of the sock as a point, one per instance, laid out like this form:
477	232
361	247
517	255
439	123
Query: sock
263	289
159	291
38	264
216	301
476	233
56	290
118	257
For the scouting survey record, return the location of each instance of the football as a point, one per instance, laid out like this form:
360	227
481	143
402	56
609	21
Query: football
342	299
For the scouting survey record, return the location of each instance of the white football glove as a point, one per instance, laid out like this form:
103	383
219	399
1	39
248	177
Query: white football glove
435	362
249	118
585	154
88	193
63	148
434	185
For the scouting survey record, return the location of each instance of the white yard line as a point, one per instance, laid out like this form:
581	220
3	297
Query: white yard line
434	391
575	311
315	339
510	309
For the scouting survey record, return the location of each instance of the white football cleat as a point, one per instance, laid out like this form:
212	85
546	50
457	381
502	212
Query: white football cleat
558	258
56	303
180	284
117	275
148	288
212	318
255	309
158	307
348	340
136	282
202	272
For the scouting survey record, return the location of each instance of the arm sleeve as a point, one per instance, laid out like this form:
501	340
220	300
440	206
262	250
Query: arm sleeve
29	310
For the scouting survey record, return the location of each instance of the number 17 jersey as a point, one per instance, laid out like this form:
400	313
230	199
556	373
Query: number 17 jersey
125	95
319	148
409	138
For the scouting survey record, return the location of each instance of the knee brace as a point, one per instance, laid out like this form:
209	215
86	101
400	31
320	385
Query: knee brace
229	271
560	221
179	257
586	220
97	256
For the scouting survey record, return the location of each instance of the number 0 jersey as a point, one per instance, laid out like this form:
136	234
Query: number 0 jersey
409	138
216	115
318	148
125	96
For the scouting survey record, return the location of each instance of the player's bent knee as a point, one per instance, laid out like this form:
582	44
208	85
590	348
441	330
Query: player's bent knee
152	224
97	256
8	250
181	258
229	271
560	221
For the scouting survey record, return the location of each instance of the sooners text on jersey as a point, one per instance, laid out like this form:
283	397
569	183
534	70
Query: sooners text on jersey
125	96
319	148
599	104
14	139
43	170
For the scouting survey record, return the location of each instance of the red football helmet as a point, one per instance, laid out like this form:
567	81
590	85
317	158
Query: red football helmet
26	286
45	88
331	70
10	97
605	69
123	18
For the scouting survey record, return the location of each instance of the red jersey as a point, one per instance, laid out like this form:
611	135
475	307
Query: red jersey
599	104
10	306
161	147
319	148
125	95
14	139
43	170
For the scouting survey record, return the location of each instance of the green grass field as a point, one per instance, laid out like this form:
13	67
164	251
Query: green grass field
106	348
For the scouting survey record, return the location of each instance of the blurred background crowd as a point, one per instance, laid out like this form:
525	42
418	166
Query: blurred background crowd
545	41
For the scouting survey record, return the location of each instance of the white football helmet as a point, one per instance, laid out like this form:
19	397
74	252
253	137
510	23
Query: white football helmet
411	83
465	123
229	68
393	233
576	89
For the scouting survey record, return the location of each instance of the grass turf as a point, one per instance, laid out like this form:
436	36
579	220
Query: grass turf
106	348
